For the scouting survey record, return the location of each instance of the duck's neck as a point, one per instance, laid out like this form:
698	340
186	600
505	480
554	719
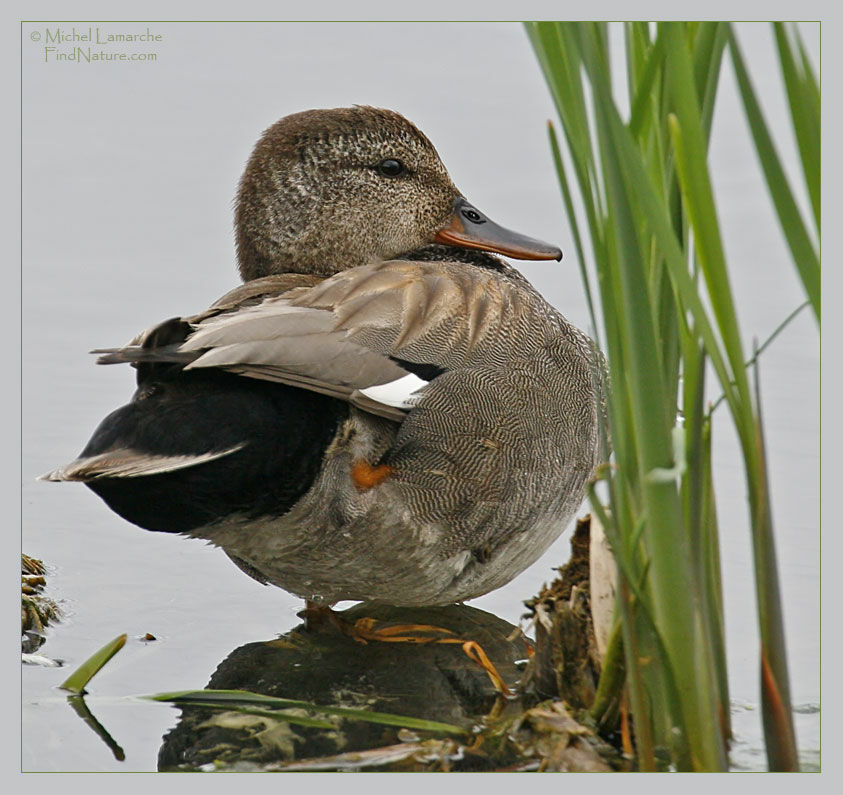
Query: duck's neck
436	252
254	265
316	258
251	263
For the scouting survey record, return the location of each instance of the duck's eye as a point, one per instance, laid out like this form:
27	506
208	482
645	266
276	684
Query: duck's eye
391	168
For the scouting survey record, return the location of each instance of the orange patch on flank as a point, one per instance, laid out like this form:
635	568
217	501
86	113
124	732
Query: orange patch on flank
365	476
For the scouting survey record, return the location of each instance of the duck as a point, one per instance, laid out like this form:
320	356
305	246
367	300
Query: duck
385	409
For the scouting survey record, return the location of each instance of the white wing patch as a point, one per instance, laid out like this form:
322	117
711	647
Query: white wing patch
400	394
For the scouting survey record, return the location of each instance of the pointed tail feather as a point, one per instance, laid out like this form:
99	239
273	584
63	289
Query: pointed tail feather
134	354
126	463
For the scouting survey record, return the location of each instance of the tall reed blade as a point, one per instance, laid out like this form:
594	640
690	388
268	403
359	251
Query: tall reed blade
803	101
777	715
804	253
667	311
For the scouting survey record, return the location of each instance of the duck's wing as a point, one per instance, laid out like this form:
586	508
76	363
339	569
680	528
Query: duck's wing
361	335
438	313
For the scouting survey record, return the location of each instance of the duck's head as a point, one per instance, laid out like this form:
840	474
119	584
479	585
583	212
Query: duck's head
326	190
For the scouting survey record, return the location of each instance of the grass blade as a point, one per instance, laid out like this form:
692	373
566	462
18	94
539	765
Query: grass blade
75	683
689	146
569	209
247	699
804	115
708	54
764	345
777	715
804	254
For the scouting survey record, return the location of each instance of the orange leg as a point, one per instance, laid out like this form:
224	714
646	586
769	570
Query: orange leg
364	630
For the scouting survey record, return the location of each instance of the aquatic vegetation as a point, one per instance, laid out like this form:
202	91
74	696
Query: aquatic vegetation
669	317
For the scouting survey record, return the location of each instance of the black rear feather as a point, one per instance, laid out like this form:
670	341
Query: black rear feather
285	432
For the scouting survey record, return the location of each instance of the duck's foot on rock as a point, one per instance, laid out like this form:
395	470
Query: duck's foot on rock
366	629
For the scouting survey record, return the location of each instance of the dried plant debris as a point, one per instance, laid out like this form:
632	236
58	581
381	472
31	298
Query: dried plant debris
37	611
31	566
549	733
543	738
566	663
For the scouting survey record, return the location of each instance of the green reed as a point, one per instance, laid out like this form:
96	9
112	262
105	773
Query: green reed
669	317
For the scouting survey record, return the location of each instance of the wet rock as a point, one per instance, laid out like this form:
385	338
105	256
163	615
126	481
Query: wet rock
322	664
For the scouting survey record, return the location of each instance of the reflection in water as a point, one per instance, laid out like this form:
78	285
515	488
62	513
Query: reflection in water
77	703
324	666
379	687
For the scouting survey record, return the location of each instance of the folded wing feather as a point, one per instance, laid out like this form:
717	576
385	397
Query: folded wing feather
337	337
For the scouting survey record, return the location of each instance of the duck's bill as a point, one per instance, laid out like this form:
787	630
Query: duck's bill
469	228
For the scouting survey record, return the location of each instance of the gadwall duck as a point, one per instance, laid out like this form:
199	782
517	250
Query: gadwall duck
384	410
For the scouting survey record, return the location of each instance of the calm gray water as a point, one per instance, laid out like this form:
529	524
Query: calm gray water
129	170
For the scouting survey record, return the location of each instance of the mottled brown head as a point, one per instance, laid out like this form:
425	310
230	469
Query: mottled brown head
326	190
